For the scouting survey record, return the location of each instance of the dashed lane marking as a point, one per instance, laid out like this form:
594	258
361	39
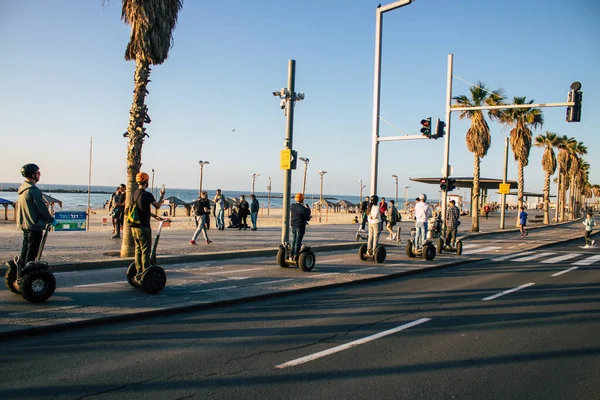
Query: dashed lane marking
233	272
565	271
503	258
533	257
508	291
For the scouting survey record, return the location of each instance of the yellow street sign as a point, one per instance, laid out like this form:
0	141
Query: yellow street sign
286	159
504	188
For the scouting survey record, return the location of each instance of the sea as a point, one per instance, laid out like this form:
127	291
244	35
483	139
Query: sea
75	197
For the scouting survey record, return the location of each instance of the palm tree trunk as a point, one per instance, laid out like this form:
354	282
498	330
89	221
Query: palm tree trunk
563	195
546	198
136	132
521	184
475	196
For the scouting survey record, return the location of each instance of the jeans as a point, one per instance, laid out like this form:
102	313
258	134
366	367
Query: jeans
142	238
31	245
253	217
364	221
451	236
421	233
373	239
220	219
201	227
297	235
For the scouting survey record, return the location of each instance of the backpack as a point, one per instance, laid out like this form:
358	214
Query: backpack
133	215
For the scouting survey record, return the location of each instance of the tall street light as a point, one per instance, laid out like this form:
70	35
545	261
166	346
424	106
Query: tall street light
361	188
396	178
406	198
202	163
269	197
306	161
377	85
152	181
253	179
321	172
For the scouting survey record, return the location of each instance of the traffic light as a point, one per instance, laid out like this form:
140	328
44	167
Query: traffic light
575	96
451	184
293	159
439	129
443	184
426	127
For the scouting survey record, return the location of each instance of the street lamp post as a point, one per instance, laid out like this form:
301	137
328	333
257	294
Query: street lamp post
152	181
396	178
253	179
202	163
406	198
321	172
361	188
269	197
306	161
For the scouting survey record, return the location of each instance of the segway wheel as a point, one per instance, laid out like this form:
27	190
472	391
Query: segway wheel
409	249
153	279
281	257
362	252
38	286
429	251
380	254
10	277
307	261
440	246
131	273
458	247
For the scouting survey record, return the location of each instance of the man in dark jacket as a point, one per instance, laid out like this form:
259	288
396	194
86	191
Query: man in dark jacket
254	207
243	211
300	215
452	222
33	214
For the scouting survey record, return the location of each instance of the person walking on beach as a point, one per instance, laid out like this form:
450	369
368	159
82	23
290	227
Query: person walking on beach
220	205
243	211
300	215
118	210
422	214
523	222
142	233
391	218
374	224
201	210
364	210
452	222
589	224
254	207
32	214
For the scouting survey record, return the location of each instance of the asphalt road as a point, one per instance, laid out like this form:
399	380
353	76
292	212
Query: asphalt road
522	326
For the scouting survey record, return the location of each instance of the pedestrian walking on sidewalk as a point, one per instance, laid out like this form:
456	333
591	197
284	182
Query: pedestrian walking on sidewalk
391	218
364	211
589	224
486	210
452	223
117	203
220	205
243	211
523	222
383	211
201	210
254	207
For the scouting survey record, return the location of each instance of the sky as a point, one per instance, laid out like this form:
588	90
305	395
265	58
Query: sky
64	80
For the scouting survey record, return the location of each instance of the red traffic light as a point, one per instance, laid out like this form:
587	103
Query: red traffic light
426	123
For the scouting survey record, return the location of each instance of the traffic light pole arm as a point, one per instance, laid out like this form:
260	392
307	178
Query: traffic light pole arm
408	137
507	106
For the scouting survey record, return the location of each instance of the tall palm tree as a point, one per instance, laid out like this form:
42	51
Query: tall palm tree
478	136
548	142
565	145
522	120
577	175
152	24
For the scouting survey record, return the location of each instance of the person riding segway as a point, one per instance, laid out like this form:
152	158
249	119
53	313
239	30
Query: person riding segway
26	274
451	244
419	245
143	272
372	250
296	253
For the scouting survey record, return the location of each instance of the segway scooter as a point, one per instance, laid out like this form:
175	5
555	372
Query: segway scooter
427	251
305	260
34	281
449	248
378	255
154	278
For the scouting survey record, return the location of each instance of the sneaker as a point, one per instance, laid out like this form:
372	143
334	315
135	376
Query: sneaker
208	241
394	237
593	242
253	229
192	242
116	236
586	247
522	235
526	233
389	238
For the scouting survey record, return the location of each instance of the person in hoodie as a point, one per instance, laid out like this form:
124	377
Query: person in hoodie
32	213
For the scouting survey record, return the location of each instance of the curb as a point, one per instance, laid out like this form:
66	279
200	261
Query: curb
472	235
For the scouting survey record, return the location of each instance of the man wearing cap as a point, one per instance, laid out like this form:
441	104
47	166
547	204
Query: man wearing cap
33	214
300	215
142	233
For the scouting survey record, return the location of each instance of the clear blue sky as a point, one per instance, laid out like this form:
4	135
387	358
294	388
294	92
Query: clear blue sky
64	80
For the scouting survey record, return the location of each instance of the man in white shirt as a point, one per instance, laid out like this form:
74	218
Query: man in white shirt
422	214
374	218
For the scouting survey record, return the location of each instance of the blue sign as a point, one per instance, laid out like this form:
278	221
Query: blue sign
70	220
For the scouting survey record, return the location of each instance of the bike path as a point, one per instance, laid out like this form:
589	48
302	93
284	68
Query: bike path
99	296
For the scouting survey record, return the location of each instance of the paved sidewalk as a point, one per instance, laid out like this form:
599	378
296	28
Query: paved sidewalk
86	298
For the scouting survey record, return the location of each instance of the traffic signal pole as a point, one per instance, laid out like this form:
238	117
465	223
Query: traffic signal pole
289	136
446	166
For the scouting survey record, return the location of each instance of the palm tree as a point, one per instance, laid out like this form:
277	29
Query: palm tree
478	136
522	120
576	174
548	142
152	24
564	146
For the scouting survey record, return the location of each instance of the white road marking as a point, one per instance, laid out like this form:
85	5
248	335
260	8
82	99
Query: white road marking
101	284
233	272
511	256
470	245
508	291
557	259
482	250
533	257
587	261
266	283
331	261
362	269
565	271
43	310
239	278
213	290
321	275
347	346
